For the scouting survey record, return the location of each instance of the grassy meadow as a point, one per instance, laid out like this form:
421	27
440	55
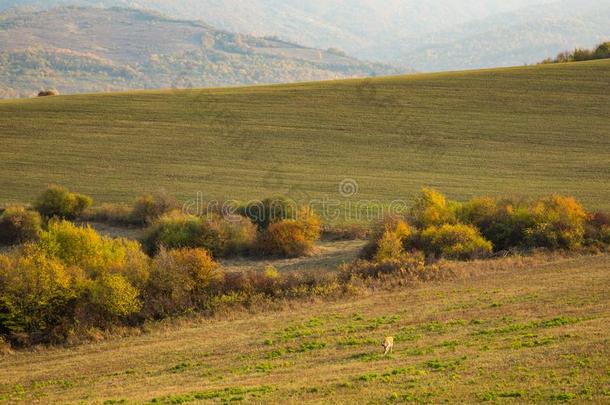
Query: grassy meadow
530	329
527	130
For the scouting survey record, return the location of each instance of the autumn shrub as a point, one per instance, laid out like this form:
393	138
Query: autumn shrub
597	229
221	236
286	239
559	223
290	237
180	280
177	230
388	239
18	225
432	208
57	201
236	234
36	293
457	241
270	210
115	295
506	226
85	248
148	207
412	265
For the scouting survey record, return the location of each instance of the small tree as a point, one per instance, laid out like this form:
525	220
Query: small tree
18	225
57	201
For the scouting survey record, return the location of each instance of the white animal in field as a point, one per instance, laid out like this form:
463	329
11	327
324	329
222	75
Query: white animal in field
388	345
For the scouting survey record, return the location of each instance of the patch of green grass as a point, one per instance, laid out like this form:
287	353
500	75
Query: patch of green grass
562	396
180	367
227	394
444	365
309	346
494	395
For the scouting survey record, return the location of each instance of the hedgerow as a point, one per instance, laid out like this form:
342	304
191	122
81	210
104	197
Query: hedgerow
448	229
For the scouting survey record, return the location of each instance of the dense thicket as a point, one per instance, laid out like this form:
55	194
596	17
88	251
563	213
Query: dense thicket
483	226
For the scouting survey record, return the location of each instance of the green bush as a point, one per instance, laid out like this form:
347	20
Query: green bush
457	241
506	226
180	280
176	230
270	210
57	201
222	237
601	52
18	225
148	208
236	235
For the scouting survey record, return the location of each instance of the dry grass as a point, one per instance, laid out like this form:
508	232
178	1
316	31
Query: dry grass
327	256
533	329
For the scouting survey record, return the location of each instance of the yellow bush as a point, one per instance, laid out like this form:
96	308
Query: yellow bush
114	294
221	237
388	240
559	223
35	292
84	247
311	223
431	208
181	280
286	238
455	242
291	237
389	247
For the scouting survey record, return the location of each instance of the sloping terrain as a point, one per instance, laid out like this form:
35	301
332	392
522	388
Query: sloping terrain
430	35
508	39
89	49
529	130
517	330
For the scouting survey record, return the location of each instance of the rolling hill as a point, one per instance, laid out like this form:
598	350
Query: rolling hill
90	49
430	35
508	39
527	130
521	331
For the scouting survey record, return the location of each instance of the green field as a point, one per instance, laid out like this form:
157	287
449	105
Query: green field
526	130
516	330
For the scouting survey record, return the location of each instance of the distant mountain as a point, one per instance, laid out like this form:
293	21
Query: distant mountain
355	26
427	35
90	49
522	37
